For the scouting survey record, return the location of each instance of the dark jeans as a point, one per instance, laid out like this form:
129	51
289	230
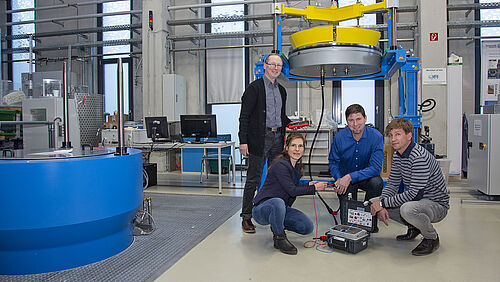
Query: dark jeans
372	186
273	146
274	211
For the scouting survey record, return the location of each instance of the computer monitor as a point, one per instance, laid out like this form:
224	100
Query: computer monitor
157	128
198	126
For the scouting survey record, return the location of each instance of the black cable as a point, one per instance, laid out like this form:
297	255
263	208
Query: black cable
175	146
319	123
427	103
330	211
314	141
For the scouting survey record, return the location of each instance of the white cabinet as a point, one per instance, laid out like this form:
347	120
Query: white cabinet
484	153
174	96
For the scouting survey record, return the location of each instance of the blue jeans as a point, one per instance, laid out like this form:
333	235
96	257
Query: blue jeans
274	211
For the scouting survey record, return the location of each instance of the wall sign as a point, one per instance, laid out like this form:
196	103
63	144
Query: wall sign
434	76
433	36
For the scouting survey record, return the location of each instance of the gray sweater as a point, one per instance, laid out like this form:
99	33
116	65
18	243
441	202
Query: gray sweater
421	175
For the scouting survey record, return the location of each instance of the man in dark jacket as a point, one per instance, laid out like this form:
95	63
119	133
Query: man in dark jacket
262	128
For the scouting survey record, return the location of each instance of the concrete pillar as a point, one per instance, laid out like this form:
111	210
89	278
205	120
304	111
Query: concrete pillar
433	54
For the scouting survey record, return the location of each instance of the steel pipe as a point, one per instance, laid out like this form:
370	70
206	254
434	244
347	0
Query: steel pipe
473	37
224	47
480	202
55	59
78	45
181	7
69	69
59	6
276	29
30	87
133	12
394	33
50	128
76	31
121	149
66	143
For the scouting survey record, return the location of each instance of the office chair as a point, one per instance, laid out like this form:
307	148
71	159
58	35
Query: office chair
205	167
211	154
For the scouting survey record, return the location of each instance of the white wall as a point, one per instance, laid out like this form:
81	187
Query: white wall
433	54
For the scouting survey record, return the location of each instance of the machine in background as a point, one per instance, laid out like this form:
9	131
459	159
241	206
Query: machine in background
484	153
48	109
85	120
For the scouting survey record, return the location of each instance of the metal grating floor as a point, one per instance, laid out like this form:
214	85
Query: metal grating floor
182	222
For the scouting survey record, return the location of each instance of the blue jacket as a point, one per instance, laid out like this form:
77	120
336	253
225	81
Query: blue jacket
361	159
282	182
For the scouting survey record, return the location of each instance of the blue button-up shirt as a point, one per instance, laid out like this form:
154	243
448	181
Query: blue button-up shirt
361	159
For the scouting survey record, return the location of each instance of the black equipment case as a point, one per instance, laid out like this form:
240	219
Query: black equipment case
347	238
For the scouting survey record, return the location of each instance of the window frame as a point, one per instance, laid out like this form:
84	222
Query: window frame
9	32
104	61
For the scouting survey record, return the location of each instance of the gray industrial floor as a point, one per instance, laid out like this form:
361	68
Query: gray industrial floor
470	248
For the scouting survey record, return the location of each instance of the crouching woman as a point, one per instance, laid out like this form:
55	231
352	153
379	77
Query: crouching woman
273	203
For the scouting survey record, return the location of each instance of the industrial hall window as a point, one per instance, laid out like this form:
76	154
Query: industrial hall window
490	14
224	95
359	91
20	60
108	81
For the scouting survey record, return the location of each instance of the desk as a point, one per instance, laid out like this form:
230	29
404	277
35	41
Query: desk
204	146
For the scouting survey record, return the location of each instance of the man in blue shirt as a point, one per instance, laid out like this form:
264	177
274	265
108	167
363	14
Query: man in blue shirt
356	157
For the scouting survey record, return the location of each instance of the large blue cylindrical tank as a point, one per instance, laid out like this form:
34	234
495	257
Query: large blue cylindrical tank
66	212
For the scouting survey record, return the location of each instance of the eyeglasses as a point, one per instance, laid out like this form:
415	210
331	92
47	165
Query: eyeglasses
274	65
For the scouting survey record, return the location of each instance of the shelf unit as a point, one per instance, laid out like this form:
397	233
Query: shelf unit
321	146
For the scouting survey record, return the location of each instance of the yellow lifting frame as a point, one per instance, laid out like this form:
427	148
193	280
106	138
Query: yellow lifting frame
333	14
324	34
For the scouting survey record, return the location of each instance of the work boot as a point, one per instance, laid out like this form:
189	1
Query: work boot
410	234
427	246
247	226
281	243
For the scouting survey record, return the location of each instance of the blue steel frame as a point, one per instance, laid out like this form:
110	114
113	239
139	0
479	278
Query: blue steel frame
408	95
392	61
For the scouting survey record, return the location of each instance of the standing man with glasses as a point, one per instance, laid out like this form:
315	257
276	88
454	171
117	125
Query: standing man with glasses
262	129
